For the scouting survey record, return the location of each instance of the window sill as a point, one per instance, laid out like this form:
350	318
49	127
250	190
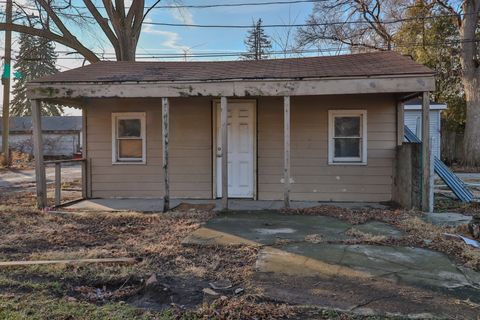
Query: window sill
129	162
347	163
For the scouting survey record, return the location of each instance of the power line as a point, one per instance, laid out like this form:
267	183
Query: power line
204	6
297	25
318	24
140	56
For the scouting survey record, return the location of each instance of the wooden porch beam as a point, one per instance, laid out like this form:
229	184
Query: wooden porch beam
427	201
165	141
40	178
224	133
286	136
240	88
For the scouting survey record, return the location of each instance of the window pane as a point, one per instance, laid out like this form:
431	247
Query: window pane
129	128
130	148
347	148
347	126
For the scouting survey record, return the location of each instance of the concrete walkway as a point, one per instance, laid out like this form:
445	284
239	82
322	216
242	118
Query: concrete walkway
309	260
156	205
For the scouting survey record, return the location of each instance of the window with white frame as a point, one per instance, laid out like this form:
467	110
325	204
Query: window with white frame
128	137
347	136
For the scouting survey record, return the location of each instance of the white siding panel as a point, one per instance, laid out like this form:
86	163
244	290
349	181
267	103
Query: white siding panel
414	123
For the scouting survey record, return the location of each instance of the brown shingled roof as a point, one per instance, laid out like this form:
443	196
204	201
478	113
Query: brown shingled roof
354	65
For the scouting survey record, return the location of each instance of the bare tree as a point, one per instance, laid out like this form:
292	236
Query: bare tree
358	24
466	16
284	38
50	19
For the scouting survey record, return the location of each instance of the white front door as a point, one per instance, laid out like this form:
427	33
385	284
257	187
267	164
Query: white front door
241	135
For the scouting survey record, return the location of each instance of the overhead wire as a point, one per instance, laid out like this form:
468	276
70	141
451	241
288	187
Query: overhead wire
208	6
275	53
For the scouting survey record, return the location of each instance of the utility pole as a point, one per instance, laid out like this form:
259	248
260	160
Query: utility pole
6	83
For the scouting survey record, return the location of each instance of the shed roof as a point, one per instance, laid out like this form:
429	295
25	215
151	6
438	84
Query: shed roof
353	65
54	123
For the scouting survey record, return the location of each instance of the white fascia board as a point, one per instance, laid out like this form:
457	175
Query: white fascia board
243	88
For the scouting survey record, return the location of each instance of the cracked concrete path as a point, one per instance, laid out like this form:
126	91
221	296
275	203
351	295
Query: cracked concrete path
304	260
270	227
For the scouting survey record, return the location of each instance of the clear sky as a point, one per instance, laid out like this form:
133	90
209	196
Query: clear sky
157	40
176	39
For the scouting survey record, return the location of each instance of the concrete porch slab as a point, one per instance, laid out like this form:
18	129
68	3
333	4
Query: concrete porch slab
156	205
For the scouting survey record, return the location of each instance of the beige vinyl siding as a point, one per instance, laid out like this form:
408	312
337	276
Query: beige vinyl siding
191	149
190	145
313	178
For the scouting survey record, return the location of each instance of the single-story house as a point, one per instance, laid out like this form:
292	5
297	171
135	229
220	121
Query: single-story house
61	135
413	120
317	128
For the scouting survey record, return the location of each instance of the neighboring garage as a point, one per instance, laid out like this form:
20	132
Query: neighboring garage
61	135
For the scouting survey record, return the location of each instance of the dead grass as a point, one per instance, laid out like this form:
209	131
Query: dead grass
26	201
426	235
365	237
314	238
30	234
245	307
18	160
446	204
352	216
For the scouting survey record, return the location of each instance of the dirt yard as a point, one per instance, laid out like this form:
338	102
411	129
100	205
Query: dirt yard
168	281
121	291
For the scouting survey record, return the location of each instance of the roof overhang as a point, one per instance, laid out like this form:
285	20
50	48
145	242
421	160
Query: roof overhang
232	88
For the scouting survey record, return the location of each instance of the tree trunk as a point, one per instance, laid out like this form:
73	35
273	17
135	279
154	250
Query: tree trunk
471	80
127	46
472	127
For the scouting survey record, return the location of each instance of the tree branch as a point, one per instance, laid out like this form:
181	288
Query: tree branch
102	22
458	16
63	29
84	51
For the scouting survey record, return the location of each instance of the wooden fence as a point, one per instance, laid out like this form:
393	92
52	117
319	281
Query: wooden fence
452	146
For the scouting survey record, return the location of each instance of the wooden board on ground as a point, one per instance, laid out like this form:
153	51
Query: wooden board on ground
72	261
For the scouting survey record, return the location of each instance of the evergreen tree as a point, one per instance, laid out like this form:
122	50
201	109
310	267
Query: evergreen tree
257	42
37	58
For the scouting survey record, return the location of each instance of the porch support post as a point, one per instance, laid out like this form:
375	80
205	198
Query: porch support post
40	178
165	138
400	122
286	135
58	184
224	132
427	201
85	163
